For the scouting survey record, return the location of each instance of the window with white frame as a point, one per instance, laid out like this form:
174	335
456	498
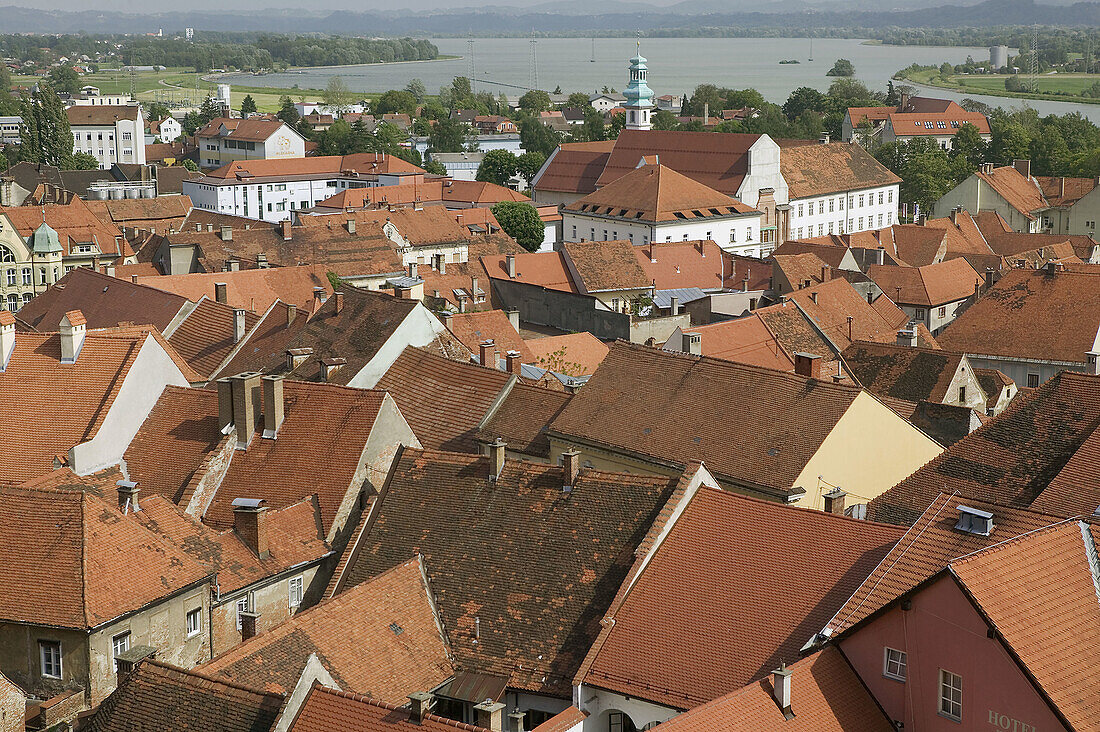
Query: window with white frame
296	587
242	607
951	695
194	622
119	645
894	664
50	653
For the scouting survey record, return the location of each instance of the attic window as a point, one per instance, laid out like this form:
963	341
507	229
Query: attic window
974	521
679	214
397	629
638	215
955	123
622	212
715	211
698	213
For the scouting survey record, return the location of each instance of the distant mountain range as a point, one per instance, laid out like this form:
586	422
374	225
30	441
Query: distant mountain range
570	17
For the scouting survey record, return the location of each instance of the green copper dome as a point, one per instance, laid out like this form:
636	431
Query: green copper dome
44	240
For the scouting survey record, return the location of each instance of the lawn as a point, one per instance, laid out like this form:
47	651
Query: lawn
1055	87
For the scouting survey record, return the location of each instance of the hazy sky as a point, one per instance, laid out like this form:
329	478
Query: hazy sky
156	6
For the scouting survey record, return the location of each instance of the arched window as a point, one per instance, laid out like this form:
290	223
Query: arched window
13	302
6	254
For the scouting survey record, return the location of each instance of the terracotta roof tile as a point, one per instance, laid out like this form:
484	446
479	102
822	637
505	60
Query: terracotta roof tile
74	223
100	114
826	696
916	124
574	354
563	721
443	401
251	289
928	286
605	265
422	192
722	613
328	709
817	170
1031	315
206	337
257	130
663	410
163	212
672	265
1020	192
101	563
656	193
399	646
475	328
158	696
362	163
523	419
1061	191
800	269
1014	458
901	372
574	167
558	556
745	340
545	269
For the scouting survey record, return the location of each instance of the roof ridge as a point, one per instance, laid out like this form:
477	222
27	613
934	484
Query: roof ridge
966	558
317	686
208	677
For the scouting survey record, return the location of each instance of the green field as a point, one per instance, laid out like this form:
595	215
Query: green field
1054	87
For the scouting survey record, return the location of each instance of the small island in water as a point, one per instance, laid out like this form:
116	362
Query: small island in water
789	61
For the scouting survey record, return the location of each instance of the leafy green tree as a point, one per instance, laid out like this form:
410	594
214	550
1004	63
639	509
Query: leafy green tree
83	161
336	94
156	110
969	145
1015	84
396	102
946	69
521	222
190	165
64	79
448	135
534	136
926	171
802	99
1050	154
530	163
417	89
535	101
577	100
435	168
1011	141
740	98
592	129
45	134
663	119
705	95
287	111
498	166
248	105
842	67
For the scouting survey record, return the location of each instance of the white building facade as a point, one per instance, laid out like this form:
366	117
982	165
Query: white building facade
844	213
110	134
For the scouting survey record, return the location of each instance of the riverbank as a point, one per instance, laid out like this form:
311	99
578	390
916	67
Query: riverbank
1060	87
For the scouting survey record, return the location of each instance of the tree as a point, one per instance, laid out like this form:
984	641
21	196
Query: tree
248	105
521	222
396	102
1050	154
337	96
82	161
45	134
577	100
156	110
448	135
1015	84
287	111
969	145
534	136
498	166
535	101
704	96
64	79
417	89
946	69
435	168
528	164
1011	141
926	171
842	67
664	120
802	99
190	165
592	129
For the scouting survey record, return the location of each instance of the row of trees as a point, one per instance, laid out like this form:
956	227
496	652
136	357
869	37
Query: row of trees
45	135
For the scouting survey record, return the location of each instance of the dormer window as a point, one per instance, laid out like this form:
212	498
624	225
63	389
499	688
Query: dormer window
974	521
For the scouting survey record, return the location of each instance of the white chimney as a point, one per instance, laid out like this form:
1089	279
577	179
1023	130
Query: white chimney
72	330
7	338
238	325
781	688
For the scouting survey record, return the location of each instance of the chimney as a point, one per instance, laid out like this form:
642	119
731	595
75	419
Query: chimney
339	297
514	362
225	403
227	233
351	226
490	715
420	704
515	721
246	406
880	255
234	264
286	229
813	298
692	343
413	270
250	523
513	317
273	405
441	264
110	270
72	329
824	139
745	284
706	113
510	260
198	227
291	314
318	298
955	215
248	624
834	501
473	290
238	325
1092	358
674	305
261	261
907	337
496	458
807	364
209	228
1023	167
133	278
488	354
448	320
781	689
974	521
7	338
220	292
988	277
128	496
571	468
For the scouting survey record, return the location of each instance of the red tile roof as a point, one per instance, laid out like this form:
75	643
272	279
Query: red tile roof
523	418
656	193
1062	191
1020	192
574	354
745	340
101	114
398	647
929	286
1031	314
901	372
574	167
838	167
205	338
605	266
545	269
361	163
521	570
100	563
251	289
672	265
74	223
916	124
563	721
423	192
826	696
707	612
158	696
475	328
327	709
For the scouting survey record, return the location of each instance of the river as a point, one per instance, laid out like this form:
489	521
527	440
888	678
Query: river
676	65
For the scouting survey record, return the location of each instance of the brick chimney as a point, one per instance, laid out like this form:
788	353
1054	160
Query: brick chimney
128	496
246	405
250	523
72	330
834	501
221	292
488	354
988	277
781	689
285	225
808	365
273	405
291	314
514	361
249	619
826	273
318	298
1023	167
571	468
496	458
420	705
7	338
490	715
339	296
